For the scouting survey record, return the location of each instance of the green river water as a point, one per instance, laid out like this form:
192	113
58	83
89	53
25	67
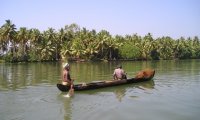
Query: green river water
28	92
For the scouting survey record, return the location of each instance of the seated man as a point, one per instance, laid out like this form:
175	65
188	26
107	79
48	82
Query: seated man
66	80
119	73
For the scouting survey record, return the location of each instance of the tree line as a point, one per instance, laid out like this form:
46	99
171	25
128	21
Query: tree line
74	43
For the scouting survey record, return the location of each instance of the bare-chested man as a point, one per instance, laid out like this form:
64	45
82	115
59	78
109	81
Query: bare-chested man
66	80
119	73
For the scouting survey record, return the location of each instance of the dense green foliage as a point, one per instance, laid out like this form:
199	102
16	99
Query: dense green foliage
129	51
73	42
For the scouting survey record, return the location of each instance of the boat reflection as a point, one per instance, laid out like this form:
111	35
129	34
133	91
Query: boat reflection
120	91
145	85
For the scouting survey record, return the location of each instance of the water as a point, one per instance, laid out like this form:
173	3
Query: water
28	92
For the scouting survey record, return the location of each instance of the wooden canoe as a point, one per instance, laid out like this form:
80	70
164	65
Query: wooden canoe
102	84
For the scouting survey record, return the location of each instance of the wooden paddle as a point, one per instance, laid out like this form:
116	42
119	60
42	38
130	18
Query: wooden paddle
71	90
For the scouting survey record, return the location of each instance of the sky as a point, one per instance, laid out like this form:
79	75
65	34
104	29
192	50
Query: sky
174	18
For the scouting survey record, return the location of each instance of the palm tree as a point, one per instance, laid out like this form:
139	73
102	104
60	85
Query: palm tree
71	31
196	44
187	49
49	45
61	35
77	48
23	35
62	38
35	43
89	42
8	36
145	46
3	43
102	38
69	34
166	48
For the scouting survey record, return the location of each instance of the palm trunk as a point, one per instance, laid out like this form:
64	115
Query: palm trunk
56	52
14	57
110	53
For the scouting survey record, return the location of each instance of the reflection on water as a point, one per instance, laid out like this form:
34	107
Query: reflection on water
84	103
20	75
67	106
120	91
28	91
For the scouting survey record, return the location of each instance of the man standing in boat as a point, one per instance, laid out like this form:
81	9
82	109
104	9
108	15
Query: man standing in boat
119	73
66	80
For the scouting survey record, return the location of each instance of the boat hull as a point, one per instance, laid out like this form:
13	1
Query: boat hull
103	84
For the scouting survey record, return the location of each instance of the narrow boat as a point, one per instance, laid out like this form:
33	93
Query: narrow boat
109	83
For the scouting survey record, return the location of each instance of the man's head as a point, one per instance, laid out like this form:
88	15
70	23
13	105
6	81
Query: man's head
119	66
66	66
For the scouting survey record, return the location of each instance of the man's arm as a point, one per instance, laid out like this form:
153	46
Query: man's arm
114	75
124	75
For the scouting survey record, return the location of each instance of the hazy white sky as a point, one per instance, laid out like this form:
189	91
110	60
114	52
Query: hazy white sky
174	18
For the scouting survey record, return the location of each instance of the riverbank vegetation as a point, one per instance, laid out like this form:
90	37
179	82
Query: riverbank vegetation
74	43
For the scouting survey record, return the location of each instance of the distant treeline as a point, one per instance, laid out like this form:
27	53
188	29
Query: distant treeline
75	43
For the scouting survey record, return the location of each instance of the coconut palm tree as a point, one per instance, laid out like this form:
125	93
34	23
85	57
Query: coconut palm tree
34	44
3	43
8	37
62	38
69	33
196	44
145	46
23	35
49	45
186	49
166	48
90	43
102	38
